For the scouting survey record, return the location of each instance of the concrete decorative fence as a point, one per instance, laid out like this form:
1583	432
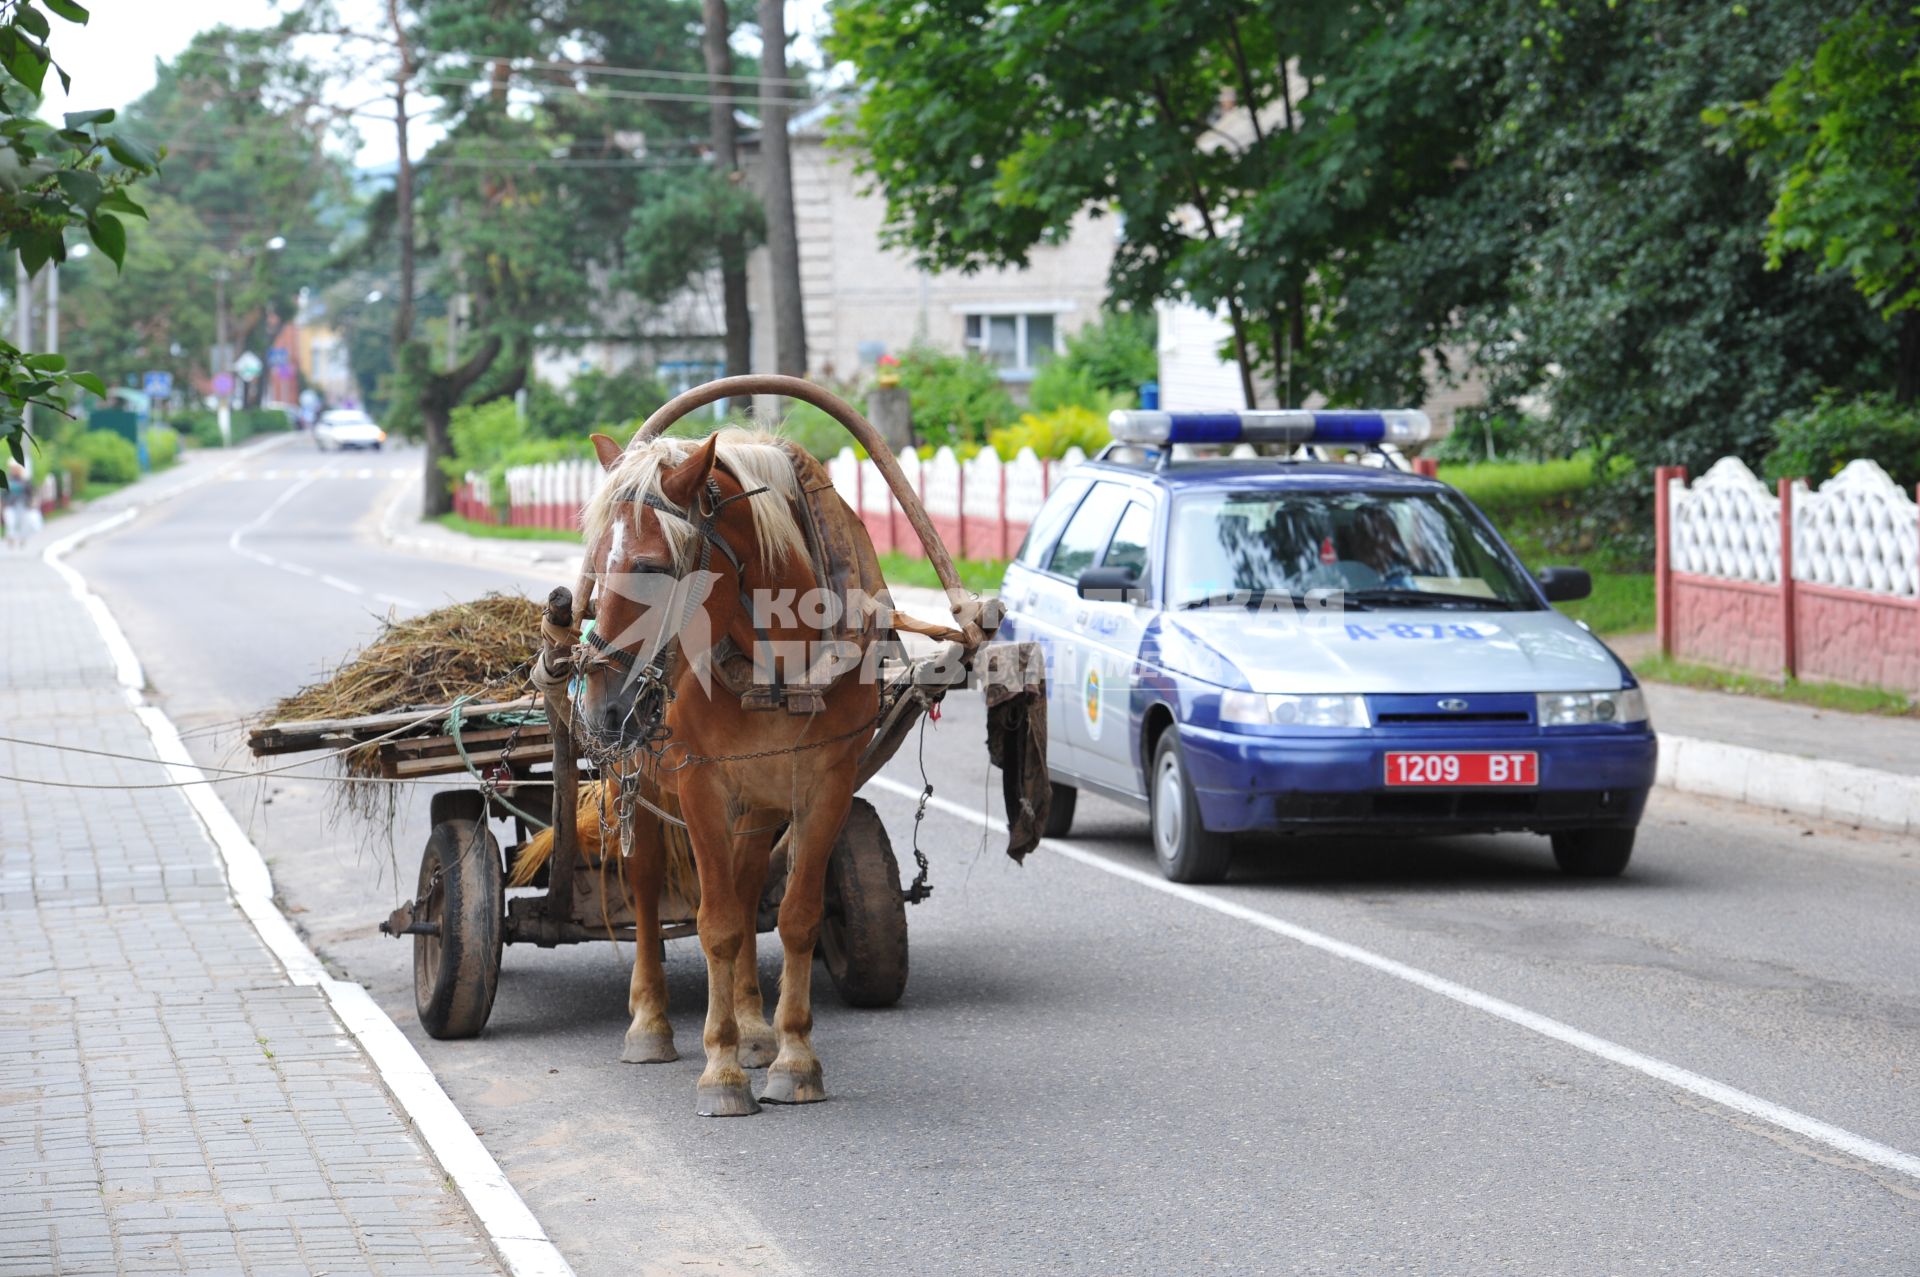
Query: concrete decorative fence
981	507
1812	583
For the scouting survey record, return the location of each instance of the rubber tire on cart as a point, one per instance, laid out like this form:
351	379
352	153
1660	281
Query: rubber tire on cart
1186	849
863	936
1593	853
456	973
1060	811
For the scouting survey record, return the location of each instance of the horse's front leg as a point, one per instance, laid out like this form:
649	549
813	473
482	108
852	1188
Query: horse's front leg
756	1035
723	1090
795	1077
650	1036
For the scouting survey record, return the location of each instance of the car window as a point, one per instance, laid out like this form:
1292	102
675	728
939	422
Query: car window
1089	530
1129	546
1053	516
1387	548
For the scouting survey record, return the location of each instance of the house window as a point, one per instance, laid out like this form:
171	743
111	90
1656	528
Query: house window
1017	344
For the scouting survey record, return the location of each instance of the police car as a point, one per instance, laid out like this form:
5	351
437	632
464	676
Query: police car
1304	646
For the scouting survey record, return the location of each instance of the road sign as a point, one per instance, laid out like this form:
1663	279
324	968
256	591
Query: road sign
248	365
158	384
223	383
277	357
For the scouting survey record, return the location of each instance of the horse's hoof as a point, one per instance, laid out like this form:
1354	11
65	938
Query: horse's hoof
757	1052
727	1101
788	1086
648	1048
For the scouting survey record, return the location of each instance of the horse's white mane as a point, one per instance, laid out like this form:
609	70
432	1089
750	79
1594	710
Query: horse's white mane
754	457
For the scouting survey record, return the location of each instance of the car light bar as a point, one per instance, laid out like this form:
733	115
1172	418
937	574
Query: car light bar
1402	427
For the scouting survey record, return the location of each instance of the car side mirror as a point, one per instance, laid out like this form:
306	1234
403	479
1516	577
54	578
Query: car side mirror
1111	585
1564	585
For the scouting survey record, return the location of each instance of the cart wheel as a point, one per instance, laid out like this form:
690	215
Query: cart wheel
456	972
863	937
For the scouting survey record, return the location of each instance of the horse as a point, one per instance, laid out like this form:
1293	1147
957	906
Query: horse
719	521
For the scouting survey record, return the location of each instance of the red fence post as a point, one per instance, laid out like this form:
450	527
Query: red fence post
1663	476
1426	466
1789	621
960	500
1005	531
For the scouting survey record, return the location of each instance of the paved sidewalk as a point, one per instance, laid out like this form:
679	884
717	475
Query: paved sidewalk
170	1101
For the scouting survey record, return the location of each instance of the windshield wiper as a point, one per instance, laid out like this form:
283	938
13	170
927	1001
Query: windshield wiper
1255	597
1386	596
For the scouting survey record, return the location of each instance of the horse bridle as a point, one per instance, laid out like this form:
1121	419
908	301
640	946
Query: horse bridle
650	703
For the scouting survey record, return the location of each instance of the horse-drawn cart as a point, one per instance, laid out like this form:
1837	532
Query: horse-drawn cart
525	761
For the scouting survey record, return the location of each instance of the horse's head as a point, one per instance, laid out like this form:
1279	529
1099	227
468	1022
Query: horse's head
672	539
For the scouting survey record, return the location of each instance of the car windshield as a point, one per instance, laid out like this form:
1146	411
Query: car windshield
1380	549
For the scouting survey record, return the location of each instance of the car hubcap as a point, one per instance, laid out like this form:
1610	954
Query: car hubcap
1168	798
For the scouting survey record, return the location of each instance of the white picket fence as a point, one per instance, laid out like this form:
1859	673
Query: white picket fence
981	506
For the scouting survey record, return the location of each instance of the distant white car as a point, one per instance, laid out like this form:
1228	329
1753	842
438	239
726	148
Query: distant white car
340	428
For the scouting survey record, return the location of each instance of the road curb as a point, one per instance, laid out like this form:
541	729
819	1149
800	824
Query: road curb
515	1235
473	550
1845	793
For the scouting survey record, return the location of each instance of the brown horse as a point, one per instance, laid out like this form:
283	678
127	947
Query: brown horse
721	515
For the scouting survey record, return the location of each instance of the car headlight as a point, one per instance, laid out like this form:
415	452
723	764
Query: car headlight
1580	709
1287	710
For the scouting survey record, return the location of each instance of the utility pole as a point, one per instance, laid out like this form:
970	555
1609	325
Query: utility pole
783	238
23	325
222	358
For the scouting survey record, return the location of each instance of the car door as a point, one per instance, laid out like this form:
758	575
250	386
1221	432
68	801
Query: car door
1072	720
1109	633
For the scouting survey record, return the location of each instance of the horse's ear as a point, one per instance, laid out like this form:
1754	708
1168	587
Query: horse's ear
682	483
607	450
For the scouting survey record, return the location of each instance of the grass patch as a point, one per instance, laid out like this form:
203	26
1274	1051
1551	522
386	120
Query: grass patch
978	575
1509	487
1833	696
500	532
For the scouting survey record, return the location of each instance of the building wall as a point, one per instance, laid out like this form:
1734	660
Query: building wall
863	299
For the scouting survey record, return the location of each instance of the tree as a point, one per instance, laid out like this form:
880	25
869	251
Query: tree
783	237
1837	138
716	51
53	181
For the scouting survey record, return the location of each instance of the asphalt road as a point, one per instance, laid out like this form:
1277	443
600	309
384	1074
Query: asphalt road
1091	1075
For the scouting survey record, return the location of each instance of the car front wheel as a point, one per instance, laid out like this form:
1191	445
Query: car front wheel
1593	853
1186	849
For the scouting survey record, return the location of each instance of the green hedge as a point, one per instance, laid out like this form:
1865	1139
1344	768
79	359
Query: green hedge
109	458
204	427
163	446
1814	445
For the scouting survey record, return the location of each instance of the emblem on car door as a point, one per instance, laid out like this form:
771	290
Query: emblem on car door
1453	705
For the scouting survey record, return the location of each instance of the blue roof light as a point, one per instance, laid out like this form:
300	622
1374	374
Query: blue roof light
1402	427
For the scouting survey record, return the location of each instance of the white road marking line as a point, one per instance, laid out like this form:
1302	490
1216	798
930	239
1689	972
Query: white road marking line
295	568
396	601
363	473
1812	1128
346	587
517	1237
270	474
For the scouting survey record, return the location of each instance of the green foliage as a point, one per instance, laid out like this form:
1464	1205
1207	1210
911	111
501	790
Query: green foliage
1840	132
1103	367
109	457
675	234
1814	444
163	446
957	399
53	181
980	575
203	428
1502	488
490	438
817	432
1051	433
592	401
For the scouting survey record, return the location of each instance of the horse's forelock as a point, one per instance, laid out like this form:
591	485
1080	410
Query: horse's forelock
754	458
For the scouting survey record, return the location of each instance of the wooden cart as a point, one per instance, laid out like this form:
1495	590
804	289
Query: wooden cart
461	916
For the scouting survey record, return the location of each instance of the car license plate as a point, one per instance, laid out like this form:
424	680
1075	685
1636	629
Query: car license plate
1457	767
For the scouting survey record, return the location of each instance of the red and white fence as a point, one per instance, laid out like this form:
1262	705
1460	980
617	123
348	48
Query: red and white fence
1811	583
980	507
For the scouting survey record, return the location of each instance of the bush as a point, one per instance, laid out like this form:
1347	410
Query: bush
591	402
1815	444
1050	434
109	458
163	446
491	437
956	399
203	428
1481	434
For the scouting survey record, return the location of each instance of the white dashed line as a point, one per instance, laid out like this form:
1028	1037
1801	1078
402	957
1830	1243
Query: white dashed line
345	586
396	601
1811	1128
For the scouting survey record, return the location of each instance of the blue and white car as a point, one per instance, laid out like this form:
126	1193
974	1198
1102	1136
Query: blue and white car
1300	646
